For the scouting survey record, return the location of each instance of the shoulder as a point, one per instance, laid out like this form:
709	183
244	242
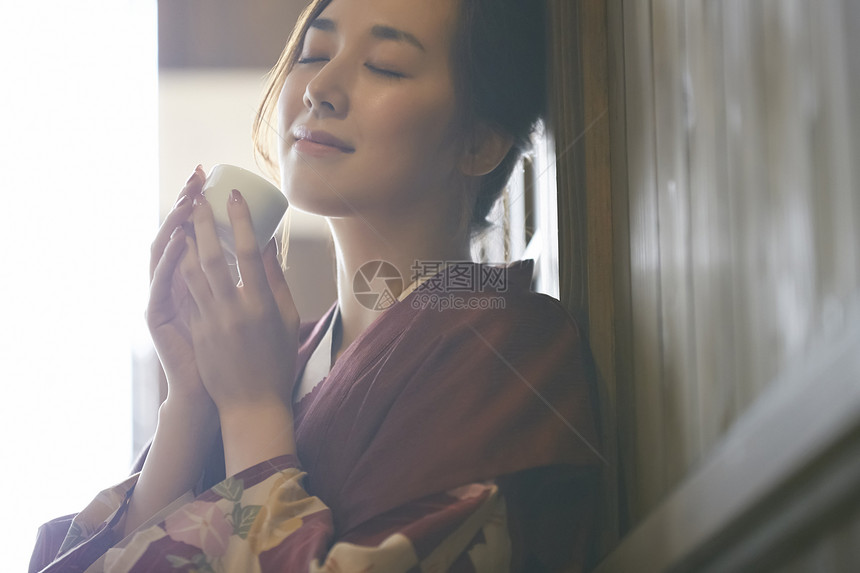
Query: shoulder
522	354
499	309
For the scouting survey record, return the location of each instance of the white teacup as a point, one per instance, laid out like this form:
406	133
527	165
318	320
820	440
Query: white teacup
265	201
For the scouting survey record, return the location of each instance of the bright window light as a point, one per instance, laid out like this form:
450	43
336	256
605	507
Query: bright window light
78	156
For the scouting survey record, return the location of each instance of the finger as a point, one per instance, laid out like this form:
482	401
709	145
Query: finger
209	250
160	296
247	252
278	284
195	278
179	214
187	309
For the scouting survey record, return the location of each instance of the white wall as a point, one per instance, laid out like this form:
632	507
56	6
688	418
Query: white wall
205	116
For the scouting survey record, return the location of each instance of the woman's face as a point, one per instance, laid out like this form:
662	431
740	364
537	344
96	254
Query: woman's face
367	115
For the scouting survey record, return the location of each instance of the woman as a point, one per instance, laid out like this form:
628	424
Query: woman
450	429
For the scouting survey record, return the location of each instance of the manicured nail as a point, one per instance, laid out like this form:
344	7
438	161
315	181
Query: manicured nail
198	172
235	196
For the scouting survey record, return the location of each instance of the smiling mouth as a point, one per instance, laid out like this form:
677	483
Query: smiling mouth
319	141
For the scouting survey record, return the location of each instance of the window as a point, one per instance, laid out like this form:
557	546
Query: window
78	150
525	218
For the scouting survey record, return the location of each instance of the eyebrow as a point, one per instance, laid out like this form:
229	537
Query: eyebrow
379	32
389	33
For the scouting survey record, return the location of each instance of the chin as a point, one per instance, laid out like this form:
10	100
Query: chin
318	200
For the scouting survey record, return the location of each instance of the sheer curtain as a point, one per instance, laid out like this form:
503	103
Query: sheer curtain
78	157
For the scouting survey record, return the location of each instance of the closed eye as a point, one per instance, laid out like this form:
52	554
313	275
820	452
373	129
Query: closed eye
311	60
385	73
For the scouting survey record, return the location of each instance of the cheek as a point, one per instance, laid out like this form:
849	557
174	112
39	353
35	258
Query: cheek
420	121
290	102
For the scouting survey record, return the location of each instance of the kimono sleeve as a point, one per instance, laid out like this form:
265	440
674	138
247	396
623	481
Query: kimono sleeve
262	520
73	542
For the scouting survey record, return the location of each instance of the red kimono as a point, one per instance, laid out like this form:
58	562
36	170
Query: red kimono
456	433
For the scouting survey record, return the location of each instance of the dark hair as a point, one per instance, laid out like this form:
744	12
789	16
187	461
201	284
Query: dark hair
500	65
499	62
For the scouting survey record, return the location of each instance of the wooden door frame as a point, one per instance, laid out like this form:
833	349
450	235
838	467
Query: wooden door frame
586	134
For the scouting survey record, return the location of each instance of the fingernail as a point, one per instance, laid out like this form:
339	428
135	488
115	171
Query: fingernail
235	196
198	172
181	201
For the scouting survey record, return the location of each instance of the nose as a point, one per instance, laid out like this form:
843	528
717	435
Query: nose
325	94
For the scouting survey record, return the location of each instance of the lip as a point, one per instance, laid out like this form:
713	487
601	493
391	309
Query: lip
318	140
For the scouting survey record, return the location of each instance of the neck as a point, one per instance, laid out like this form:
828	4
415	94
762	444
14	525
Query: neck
398	240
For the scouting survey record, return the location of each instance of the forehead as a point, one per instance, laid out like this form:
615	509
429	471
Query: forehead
431	22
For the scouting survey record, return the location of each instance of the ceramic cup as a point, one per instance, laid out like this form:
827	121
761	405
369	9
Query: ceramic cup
265	201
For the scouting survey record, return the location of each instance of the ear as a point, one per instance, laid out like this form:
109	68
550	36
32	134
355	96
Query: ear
486	150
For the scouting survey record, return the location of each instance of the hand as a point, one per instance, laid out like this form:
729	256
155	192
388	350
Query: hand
168	311
245	336
187	421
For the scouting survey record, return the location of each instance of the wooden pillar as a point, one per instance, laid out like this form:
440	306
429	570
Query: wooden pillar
579	126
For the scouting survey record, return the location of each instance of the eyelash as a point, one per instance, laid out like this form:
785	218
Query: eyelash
310	60
379	71
385	73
